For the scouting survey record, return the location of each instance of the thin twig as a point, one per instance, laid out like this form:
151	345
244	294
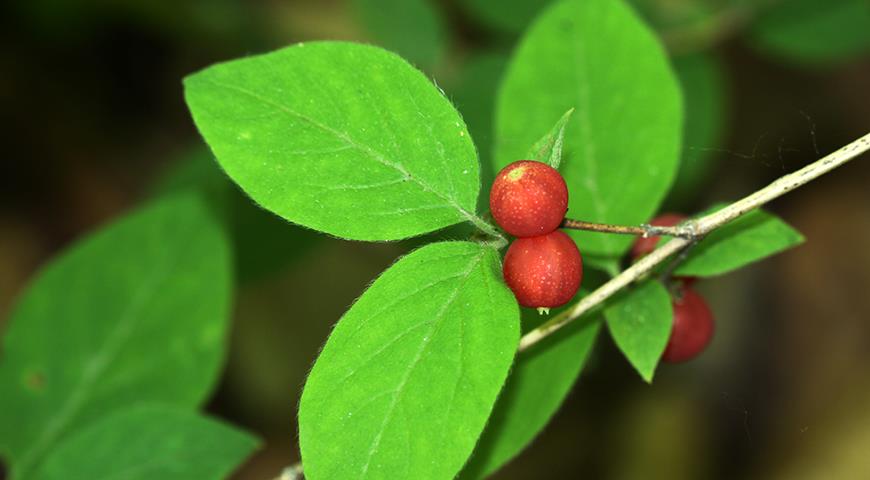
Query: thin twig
644	230
699	228
668	271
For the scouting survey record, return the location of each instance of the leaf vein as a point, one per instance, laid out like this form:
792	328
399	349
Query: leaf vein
370	152
436	322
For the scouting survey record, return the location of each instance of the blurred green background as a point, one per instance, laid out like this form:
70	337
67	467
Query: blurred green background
94	123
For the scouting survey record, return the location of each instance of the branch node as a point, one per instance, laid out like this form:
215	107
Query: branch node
687	233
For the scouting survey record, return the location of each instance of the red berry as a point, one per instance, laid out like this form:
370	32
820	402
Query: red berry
528	198
645	245
692	330
543	271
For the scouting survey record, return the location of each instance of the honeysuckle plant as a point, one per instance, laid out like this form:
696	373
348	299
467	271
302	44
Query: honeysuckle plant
435	371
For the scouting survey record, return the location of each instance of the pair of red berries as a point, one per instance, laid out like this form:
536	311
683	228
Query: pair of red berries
543	266
693	321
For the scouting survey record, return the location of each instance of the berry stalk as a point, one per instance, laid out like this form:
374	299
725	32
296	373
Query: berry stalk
699	227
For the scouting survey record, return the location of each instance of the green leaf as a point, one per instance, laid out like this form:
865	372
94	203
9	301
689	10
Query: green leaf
510	16
640	320
410	374
344	138
135	312
538	384
549	148
814	31
412	28
750	238
704	93
147	442
622	144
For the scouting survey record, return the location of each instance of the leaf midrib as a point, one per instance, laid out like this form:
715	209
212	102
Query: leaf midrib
437	322
96	366
372	153
590	153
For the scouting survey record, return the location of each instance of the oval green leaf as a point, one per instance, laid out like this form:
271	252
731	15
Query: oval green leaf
344	138
538	384
640	320
410	374
137	311
622	143
748	239
147	442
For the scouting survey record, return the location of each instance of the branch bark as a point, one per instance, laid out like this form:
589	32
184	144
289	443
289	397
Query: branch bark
697	228
645	230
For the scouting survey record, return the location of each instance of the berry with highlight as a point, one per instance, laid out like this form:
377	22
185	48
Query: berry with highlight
528	198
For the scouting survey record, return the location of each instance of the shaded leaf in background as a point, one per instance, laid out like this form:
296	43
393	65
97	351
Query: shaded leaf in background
263	243
814	31
750	238
315	131
148	442
693	26
103	323
196	169
537	386
409	376
622	143
415	29
510	16
473	91
549	148
640	320
704	101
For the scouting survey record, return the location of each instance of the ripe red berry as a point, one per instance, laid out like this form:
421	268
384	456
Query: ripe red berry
692	330
645	245
528	198
543	271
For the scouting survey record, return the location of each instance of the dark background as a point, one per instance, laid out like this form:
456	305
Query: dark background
93	122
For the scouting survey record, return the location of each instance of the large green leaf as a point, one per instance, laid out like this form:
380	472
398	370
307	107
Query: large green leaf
640	322
814	31
148	442
412	28
622	144
137	311
344	138
750	238
538	384
410	374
